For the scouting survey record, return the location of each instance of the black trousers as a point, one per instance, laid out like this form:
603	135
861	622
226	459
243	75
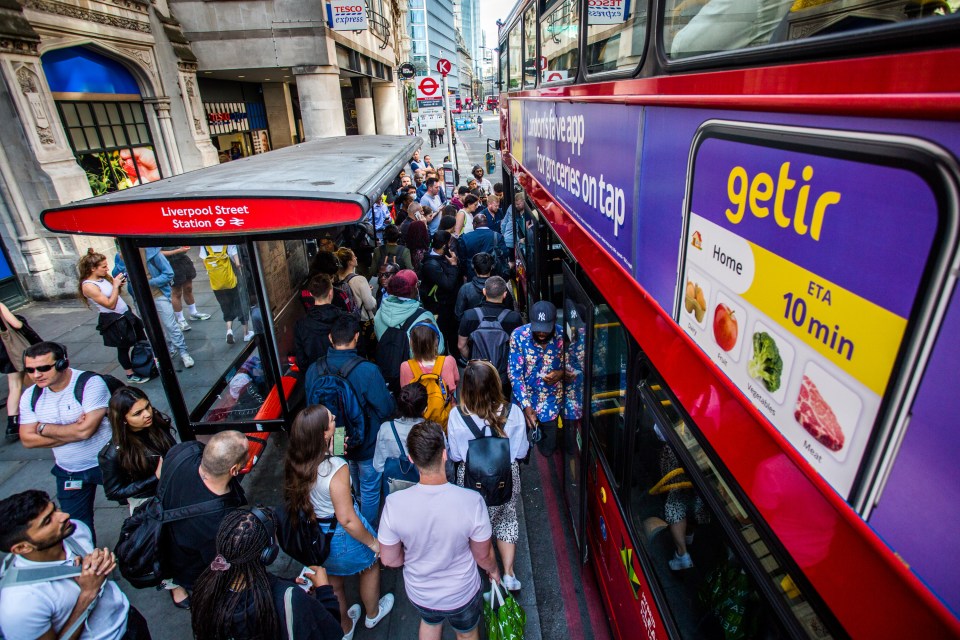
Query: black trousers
136	626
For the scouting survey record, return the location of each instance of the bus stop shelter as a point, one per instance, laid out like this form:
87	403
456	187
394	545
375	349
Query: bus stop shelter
272	208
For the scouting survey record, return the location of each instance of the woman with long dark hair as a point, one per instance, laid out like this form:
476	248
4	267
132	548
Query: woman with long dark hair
130	462
236	598
118	325
418	242
481	398
317	482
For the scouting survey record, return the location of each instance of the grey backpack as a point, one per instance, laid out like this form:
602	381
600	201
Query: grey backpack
491	341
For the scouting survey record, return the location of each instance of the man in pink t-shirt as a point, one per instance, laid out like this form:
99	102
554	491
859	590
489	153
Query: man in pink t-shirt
438	533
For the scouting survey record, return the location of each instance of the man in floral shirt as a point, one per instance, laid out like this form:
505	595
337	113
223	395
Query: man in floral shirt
537	372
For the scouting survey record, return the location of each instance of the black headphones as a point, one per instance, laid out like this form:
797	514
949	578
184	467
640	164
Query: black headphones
272	550
60	360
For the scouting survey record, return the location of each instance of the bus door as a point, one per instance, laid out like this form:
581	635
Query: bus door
539	256
577	323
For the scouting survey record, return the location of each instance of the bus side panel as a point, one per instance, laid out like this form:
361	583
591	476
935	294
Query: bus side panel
623	585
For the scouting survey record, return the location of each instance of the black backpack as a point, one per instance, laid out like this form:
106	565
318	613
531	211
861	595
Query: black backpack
490	341
142	361
302	539
138	549
112	383
488	470
393	349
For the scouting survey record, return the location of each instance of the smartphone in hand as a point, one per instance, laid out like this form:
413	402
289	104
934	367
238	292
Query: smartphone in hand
339	436
303	581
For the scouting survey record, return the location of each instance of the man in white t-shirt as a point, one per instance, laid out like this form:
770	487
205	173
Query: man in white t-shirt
75	430
438	533
43	539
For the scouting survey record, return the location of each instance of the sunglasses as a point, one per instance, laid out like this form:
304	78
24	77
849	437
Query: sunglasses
43	368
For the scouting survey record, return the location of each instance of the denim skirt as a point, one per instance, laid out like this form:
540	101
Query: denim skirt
347	555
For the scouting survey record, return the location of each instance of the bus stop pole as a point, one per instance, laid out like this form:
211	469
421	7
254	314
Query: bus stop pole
450	131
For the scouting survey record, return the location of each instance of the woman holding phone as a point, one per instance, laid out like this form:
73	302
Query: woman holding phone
317	481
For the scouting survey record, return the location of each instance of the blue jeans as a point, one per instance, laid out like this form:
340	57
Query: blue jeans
78	502
367	481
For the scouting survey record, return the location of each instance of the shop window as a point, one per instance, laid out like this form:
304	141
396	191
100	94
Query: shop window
560	40
112	143
710	580
530	62
515	42
616	36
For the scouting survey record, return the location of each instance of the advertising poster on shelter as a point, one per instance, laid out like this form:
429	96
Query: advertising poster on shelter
800	274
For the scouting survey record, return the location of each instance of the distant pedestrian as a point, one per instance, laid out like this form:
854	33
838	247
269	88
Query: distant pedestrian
181	289
236	598
11	363
41	537
75	430
200	474
223	264
160	275
433	138
117	323
130	463
440	134
480	125
536	373
439	533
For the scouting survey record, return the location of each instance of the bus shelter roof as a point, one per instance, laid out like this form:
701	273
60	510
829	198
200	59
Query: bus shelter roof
315	184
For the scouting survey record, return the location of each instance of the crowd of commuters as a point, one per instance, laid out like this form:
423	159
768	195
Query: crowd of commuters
425	391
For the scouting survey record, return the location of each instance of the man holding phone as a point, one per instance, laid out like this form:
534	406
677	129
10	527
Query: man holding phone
537	373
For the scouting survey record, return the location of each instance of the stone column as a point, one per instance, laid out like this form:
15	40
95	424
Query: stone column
320	103
366	123
169	155
386	107
279	108
194	107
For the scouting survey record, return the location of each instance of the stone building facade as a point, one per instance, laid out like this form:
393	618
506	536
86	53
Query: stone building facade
106	94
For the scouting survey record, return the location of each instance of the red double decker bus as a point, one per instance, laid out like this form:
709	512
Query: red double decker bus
747	213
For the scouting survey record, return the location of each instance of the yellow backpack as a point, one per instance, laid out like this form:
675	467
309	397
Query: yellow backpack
220	269
439	398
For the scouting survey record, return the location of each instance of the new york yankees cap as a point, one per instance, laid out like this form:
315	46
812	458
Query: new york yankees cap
543	317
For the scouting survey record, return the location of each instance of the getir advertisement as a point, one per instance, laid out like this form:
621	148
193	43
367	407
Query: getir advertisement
800	271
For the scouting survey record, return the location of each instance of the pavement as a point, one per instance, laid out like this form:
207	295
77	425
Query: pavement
68	322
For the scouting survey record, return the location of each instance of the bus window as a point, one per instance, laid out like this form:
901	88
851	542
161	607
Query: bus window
710	579
229	381
608	385
530	63
502	85
560	40
616	38
710	26
516	57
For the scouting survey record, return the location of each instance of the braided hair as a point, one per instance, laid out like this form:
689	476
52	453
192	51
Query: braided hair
220	592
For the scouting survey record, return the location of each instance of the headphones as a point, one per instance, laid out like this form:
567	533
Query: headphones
430	326
61	362
272	550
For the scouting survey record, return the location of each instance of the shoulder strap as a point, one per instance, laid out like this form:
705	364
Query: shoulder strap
503	315
210	253
472	425
350	277
35	397
322	367
288	610
396	435
438	365
350	365
479	314
409	322
194	510
81	384
415	368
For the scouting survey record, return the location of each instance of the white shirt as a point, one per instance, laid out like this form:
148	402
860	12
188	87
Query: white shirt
217	248
387	444
106	289
459	434
28	611
484	184
61	407
320	493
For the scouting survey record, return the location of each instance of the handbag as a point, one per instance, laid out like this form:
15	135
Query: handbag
505	618
303	539
119	329
399	472
15	343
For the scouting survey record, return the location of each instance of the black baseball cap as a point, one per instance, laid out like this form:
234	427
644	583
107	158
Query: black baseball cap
543	317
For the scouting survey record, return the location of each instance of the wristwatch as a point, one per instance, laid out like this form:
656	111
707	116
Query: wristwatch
40	428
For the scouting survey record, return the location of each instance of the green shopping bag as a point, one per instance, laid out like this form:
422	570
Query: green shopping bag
504	616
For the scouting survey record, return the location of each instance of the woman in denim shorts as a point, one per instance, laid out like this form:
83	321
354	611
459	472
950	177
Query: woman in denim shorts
317	481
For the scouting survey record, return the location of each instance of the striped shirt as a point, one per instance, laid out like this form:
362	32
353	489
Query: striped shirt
61	407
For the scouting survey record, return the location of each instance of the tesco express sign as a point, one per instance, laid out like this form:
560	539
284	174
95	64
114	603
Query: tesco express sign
346	16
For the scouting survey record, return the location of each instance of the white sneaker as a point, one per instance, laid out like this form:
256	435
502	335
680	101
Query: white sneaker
510	583
199	316
229	336
354	614
187	360
386	606
248	336
679	563
184	325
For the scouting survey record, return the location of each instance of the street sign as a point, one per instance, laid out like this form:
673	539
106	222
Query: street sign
406	71
346	15
428	89
444	66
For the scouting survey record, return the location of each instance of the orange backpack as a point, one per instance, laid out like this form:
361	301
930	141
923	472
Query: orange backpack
439	398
